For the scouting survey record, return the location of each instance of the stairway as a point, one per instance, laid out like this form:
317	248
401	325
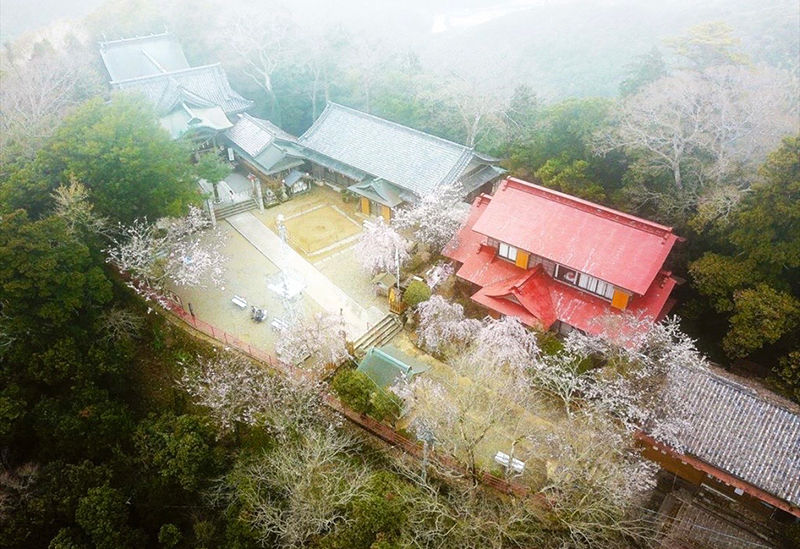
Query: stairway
381	333
227	210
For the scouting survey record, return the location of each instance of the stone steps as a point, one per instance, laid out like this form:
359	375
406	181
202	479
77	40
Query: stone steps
381	333
228	210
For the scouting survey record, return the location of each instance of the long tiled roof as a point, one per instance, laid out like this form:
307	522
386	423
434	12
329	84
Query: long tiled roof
253	135
142	56
196	87
411	159
751	436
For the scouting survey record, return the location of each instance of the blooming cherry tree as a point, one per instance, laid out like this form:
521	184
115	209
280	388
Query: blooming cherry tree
380	247
181	251
443	327
237	392
320	336
437	216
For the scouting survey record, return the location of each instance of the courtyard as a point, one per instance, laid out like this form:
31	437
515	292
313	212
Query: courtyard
321	231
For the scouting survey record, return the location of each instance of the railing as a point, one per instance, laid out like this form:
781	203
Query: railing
384	432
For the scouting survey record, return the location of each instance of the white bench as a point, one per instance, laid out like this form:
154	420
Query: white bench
278	324
239	301
507	461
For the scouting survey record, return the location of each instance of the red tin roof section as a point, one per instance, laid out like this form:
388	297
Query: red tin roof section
613	246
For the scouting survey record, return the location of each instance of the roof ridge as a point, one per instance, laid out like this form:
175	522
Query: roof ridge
590	207
169	74
122	41
400	126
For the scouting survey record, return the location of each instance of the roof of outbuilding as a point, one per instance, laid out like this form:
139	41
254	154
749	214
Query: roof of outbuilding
411	159
253	135
624	250
142	56
749	434
196	87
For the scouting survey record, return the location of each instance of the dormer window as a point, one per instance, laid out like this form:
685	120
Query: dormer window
585	282
507	251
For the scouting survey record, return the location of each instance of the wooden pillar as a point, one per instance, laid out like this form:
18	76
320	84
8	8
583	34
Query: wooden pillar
387	213
365	205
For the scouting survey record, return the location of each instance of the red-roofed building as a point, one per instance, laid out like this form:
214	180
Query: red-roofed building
559	262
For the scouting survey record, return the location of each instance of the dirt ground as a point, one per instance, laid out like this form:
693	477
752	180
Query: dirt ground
245	276
321	227
322	212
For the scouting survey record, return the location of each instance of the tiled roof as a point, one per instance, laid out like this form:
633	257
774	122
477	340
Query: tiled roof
196	87
253	135
750	435
532	295
610	245
411	159
143	56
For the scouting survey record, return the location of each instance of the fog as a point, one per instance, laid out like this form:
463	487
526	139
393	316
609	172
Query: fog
561	48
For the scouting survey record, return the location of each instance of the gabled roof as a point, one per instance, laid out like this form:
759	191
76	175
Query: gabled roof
378	190
534	296
411	159
386	365
750	434
142	56
253	135
624	250
196	87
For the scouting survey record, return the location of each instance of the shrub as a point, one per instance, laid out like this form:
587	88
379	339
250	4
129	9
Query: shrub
355	389
384	405
416	293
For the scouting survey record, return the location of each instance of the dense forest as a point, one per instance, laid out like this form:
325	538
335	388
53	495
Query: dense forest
107	437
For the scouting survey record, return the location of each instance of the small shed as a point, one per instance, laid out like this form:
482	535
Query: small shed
386	365
382	282
295	182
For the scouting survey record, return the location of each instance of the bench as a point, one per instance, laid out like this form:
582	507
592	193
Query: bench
507	461
239	301
278	324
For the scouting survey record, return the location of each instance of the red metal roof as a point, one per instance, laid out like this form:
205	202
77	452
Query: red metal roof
613	246
532	295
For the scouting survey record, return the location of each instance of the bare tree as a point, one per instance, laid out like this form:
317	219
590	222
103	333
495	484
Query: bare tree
379	248
37	93
261	40
73	205
320	337
300	490
118	324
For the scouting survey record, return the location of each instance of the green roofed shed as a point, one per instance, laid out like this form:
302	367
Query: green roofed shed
385	365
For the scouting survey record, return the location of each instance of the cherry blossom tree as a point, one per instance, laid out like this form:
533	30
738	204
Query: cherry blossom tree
380	247
436	217
238	392
320	336
183	251
438	274
443	327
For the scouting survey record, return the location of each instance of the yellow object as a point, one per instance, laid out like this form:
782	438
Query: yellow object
387	213
620	300
522	259
365	205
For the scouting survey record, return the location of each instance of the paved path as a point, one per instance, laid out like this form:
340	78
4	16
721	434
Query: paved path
329	296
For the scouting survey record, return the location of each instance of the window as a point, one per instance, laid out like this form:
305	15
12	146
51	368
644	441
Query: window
508	252
584	281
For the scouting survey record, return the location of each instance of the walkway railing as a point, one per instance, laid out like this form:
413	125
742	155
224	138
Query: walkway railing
376	428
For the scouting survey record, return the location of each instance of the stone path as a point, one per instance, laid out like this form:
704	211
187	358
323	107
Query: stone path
329	296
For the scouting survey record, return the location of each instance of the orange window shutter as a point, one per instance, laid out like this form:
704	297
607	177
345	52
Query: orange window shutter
365	205
620	300
522	259
387	213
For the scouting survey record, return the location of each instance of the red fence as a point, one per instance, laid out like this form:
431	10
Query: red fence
384	432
